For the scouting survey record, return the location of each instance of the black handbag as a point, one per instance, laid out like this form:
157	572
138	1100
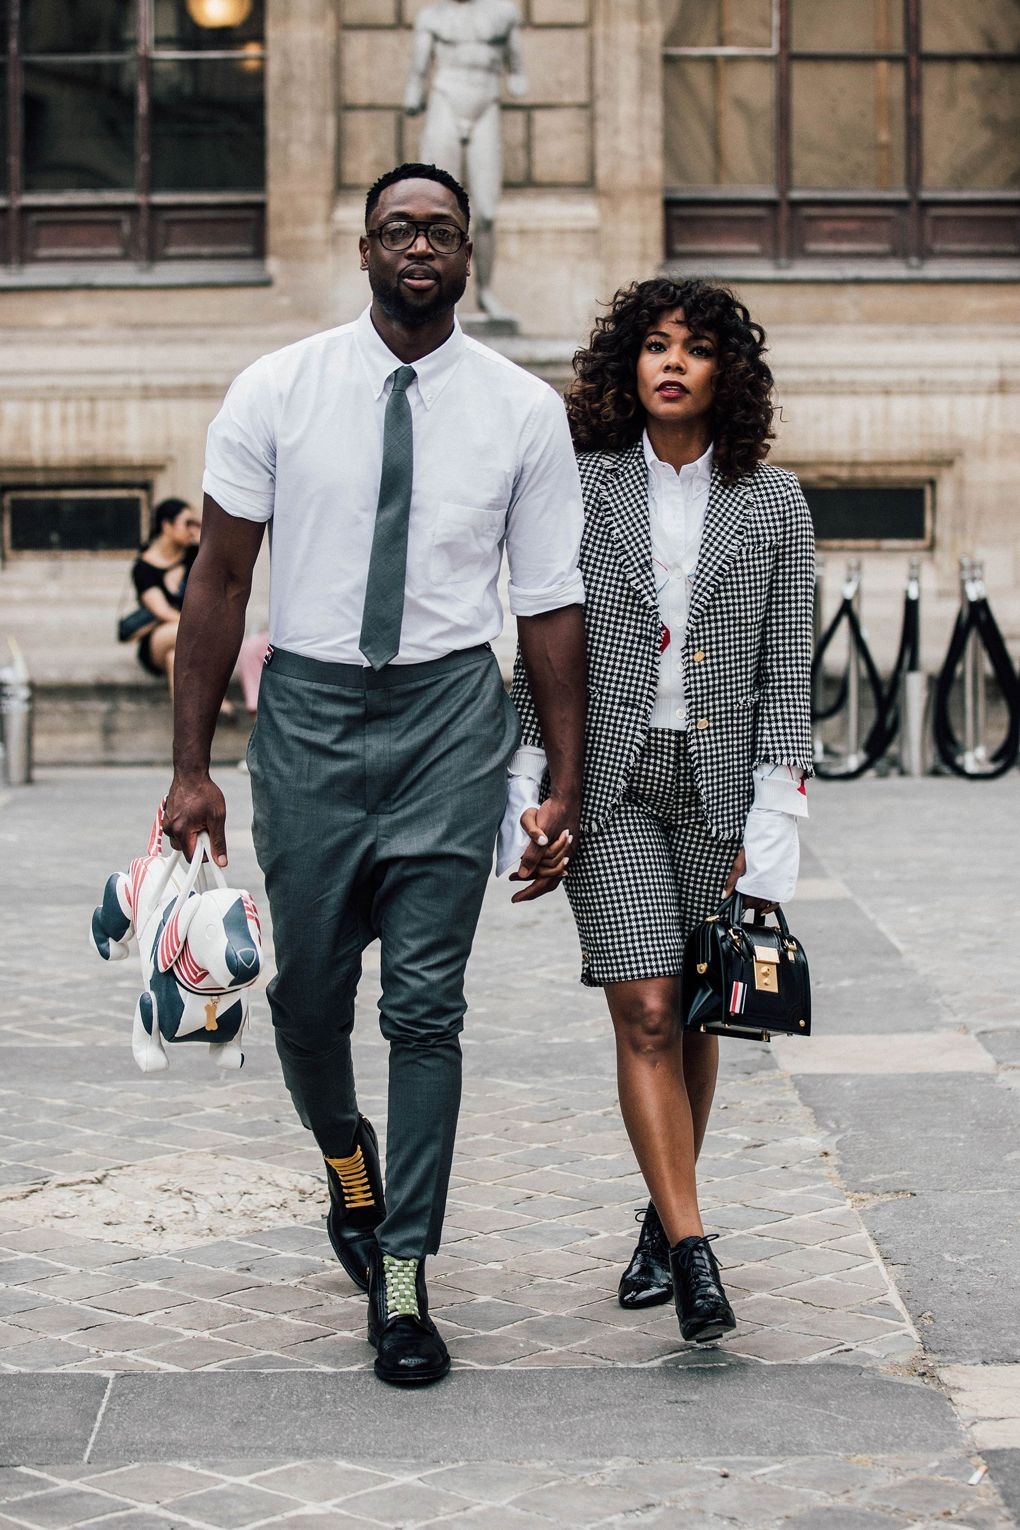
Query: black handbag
748	980
135	625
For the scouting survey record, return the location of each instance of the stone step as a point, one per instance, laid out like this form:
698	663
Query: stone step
119	723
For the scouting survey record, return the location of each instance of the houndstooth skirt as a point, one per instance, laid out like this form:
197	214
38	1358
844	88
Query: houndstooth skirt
651	873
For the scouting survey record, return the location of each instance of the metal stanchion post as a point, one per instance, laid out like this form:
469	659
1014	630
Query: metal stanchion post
977	659
852	591
16	721
818	680
915	757
974	707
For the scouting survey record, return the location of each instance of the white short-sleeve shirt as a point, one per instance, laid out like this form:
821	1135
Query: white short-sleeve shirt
298	442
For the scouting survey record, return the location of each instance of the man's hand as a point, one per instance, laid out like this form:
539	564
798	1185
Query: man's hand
194	804
737	870
552	830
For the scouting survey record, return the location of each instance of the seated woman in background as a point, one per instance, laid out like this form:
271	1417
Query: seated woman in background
159	574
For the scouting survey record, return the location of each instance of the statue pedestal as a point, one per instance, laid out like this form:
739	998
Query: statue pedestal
483	327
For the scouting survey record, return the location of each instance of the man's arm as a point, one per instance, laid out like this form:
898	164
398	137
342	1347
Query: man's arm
553	651
208	640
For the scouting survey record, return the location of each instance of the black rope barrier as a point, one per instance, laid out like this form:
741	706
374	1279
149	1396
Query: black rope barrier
886	699
976	623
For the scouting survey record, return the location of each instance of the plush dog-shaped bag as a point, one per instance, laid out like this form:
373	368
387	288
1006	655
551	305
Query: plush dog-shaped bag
200	947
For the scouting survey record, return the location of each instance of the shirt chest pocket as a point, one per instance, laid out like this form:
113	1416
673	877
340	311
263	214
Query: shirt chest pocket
465	543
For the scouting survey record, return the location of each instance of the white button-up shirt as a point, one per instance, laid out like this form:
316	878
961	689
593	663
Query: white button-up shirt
298	442
677	502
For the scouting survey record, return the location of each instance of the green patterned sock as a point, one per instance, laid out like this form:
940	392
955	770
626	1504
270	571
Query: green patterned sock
401	1296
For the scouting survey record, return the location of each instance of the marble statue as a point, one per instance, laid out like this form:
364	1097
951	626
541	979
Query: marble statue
468	45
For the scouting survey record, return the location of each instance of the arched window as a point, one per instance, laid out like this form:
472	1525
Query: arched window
800	130
133	130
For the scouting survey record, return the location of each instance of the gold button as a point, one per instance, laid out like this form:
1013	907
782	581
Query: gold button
702	723
699	656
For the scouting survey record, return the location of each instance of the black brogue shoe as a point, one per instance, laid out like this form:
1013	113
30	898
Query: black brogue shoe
701	1302
409	1348
356	1205
647	1281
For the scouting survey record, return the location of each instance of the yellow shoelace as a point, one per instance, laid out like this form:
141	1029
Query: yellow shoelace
353	1177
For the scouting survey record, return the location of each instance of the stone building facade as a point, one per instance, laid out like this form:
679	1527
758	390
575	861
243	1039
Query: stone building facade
893	308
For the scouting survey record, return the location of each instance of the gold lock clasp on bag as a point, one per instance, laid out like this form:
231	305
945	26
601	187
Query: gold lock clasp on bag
766	969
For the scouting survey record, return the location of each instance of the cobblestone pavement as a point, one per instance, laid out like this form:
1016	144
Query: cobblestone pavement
173	1227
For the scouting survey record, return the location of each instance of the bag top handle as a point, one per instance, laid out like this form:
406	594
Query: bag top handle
732	910
202	870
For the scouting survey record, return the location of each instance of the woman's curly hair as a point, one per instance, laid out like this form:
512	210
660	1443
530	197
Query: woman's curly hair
602	401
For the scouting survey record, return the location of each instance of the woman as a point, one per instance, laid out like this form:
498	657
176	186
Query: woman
698	564
159	575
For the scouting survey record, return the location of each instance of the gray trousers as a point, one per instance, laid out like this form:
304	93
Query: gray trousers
377	797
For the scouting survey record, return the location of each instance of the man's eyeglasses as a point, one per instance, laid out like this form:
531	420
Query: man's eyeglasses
401	233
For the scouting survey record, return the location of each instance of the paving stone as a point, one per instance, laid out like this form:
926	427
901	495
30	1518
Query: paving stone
46	1354
491	1482
136	1301
405	1503
161	1482
136	1519
197	1352
233	1505
20	1300
320	1481
61	1507
849	1519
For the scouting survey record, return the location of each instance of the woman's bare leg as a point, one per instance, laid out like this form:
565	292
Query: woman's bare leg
162	647
665	1095
701	1067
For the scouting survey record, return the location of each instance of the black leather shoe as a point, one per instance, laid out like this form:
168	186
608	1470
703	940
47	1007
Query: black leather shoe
647	1281
701	1303
411	1352
356	1205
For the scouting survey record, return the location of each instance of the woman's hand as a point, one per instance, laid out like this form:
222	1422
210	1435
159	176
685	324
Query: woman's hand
544	865
737	870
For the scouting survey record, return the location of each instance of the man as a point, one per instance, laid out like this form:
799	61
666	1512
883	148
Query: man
471	43
395	457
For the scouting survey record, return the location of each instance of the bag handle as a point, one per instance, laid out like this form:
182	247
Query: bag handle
201	868
732	910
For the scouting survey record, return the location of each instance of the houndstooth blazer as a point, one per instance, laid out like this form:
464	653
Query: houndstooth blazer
747	652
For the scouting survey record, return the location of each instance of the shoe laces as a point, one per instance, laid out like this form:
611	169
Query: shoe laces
652	1231
352	1173
401	1286
697	1254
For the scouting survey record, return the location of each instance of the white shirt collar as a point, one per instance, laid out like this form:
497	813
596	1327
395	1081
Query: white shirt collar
433	371
699	471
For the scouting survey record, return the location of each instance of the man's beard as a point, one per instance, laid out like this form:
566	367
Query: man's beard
415	315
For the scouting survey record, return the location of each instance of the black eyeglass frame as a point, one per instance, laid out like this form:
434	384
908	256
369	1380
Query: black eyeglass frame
419	228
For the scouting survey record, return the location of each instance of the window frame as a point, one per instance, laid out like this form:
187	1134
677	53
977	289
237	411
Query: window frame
783	226
138	224
91	486
863	482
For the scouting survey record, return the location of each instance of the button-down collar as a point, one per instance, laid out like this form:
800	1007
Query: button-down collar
691	473
433	371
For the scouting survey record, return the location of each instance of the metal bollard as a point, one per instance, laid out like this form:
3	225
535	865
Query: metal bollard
16	721
818	679
852	591
975	703
915	751
915	726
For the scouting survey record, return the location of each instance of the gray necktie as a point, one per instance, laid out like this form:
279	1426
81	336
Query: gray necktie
384	592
